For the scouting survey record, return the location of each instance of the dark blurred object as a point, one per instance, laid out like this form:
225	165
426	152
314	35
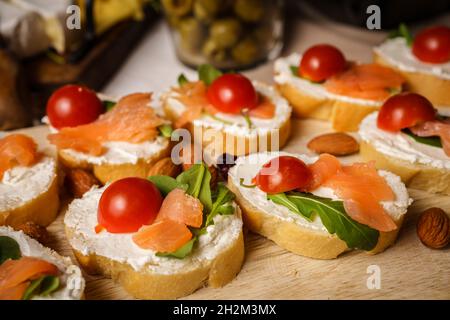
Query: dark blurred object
393	12
13	94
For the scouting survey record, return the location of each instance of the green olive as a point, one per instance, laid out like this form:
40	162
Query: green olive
249	10
246	51
191	33
226	32
213	51
177	8
207	10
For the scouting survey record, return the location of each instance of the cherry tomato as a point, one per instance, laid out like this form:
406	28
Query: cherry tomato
320	62
73	105
290	174
433	45
128	204
231	93
405	110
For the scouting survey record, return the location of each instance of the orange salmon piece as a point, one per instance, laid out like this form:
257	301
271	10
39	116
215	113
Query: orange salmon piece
323	169
265	110
365	81
131	120
163	236
14	293
17	150
181	207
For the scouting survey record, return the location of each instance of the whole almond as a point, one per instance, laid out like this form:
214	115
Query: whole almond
165	167
337	144
80	181
433	228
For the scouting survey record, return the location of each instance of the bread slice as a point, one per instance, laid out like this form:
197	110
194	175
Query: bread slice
108	172
310	100
219	138
72	281
159	278
302	239
436	89
34	193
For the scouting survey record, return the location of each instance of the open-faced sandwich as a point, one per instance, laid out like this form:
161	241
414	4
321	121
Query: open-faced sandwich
322	84
232	114
120	140
30	271
161	238
410	138
28	183
424	61
317	207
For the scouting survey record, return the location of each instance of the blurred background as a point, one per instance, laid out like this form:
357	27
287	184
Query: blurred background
123	46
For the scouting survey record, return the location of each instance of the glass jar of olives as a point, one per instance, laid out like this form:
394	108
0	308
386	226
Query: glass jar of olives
228	34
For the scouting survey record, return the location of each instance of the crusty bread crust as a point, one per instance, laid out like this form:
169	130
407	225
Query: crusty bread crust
343	115
42	210
298	239
240	145
415	176
150	285
112	172
436	89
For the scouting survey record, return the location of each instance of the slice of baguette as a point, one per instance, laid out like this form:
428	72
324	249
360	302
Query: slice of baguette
72	281
415	176
41	209
220	141
300	239
435	88
158	279
112	172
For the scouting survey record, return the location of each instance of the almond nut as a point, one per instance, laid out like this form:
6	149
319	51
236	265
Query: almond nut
433	228
80	181
164	167
336	144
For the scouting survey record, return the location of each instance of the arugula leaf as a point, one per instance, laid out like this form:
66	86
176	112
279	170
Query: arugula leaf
402	32
182	80
166	130
245	114
198	179
336	220
9	249
223	199
248	186
165	184
293	205
218	119
207	73
431	141
42	286
181	253
294	70
108	105
296	73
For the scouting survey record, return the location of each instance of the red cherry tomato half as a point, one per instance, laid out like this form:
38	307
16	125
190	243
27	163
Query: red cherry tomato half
231	93
290	174
405	110
72	106
320	62
128	204
433	45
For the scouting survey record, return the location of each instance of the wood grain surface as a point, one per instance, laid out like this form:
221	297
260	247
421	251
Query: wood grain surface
408	270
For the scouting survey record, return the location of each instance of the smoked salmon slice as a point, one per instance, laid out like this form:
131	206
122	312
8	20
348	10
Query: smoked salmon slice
193	96
435	128
183	208
366	81
163	236
17	149
359	186
131	120
14	274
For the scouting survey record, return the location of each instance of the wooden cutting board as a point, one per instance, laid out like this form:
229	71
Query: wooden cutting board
408	270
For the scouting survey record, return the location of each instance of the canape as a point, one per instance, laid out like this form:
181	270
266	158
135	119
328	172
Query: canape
123	139
160	238
317	207
28	183
30	271
322	84
410	138
233	114
424	61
